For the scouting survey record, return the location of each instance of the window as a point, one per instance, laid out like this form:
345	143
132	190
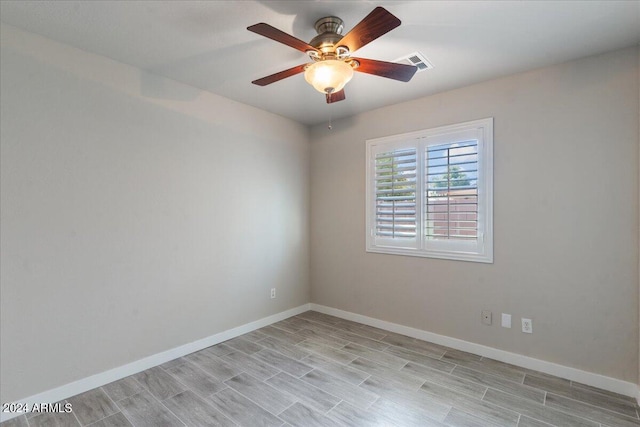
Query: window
430	193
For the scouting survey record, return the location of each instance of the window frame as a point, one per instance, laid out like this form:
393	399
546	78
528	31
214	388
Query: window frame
481	249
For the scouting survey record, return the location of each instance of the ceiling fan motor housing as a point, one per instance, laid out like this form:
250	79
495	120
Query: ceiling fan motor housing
329	31
329	24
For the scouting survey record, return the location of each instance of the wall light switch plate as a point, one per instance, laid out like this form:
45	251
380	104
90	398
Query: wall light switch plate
506	320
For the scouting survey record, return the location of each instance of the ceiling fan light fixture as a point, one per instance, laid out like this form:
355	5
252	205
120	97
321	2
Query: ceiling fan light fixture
328	76
330	51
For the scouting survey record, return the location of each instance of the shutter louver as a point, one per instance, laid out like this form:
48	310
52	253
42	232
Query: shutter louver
395	194
452	191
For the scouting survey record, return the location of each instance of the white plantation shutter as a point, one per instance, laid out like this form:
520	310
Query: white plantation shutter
451	179
395	194
430	193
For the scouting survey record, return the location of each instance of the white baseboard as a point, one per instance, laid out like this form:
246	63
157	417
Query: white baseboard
584	377
65	391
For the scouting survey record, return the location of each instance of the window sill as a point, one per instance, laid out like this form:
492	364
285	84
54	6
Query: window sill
452	256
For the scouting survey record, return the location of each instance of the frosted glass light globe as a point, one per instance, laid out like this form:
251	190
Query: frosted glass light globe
328	76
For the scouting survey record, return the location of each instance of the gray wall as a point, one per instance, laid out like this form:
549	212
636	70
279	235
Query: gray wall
565	218
138	214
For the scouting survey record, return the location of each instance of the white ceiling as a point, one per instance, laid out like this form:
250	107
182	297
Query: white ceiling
205	43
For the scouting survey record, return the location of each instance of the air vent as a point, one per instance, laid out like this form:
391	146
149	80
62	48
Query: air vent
417	59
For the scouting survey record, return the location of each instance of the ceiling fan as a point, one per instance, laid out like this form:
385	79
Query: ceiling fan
333	65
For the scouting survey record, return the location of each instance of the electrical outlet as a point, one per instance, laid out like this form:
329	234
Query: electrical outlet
486	317
506	320
527	326
273	293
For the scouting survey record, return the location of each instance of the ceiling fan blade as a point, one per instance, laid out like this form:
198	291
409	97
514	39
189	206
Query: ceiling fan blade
378	22
279	76
390	70
280	36
335	97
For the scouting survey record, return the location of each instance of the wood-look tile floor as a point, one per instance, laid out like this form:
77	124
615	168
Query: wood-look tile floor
318	370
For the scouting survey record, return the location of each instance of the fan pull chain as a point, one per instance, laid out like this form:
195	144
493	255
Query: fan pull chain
330	114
